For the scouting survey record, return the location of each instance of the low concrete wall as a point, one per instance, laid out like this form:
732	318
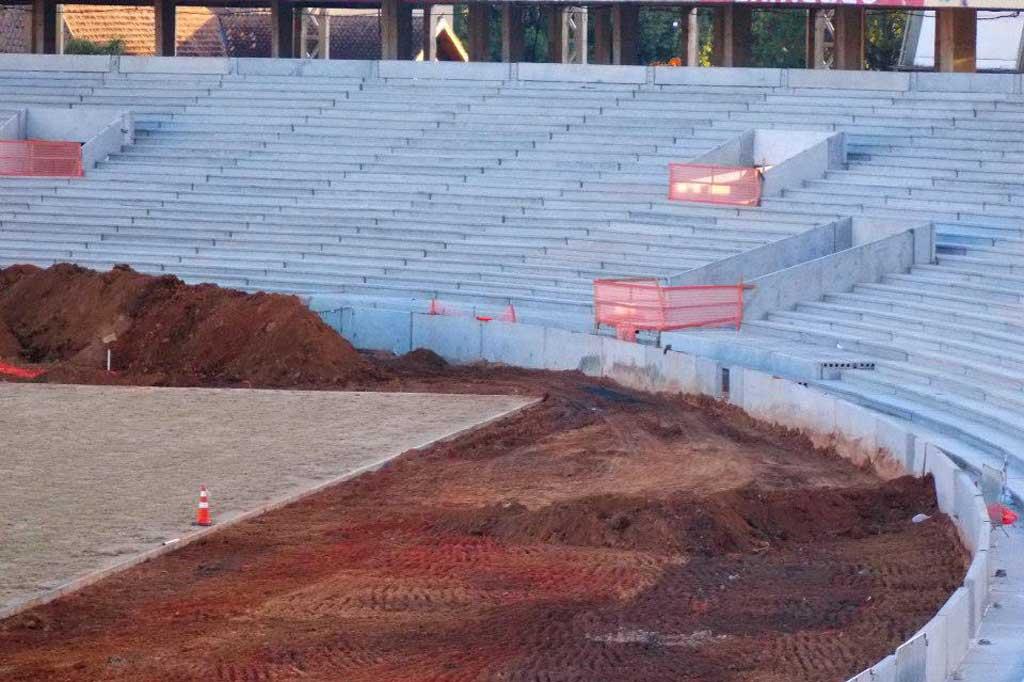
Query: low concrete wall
657	75
101	130
837	272
109	140
815	243
865	437
794	156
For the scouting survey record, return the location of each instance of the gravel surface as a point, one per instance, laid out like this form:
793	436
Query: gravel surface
92	474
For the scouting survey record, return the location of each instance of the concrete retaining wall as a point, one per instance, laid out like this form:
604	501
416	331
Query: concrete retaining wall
657	75
893	448
837	272
813	244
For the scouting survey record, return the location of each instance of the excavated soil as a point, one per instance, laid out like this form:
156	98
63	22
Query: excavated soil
604	535
161	331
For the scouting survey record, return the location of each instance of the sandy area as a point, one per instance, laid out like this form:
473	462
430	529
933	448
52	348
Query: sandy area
91	474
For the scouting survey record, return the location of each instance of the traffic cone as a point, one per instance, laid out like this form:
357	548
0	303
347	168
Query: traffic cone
203	512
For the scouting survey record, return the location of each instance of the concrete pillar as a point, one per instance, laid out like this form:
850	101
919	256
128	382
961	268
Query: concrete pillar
164	15
731	39
555	26
479	32
625	20
956	40
689	36
282	29
575	39
395	30
848	42
815	47
511	33
602	18
428	45
44	27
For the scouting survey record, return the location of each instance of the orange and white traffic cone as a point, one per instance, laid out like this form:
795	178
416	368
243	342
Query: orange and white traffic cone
203	512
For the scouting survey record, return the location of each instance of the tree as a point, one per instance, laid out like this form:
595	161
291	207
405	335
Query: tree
779	39
82	46
884	38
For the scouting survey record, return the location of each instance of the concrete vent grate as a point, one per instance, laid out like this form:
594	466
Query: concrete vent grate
848	365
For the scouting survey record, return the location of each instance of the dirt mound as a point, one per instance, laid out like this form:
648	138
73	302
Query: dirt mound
162	331
419	361
9	346
744	520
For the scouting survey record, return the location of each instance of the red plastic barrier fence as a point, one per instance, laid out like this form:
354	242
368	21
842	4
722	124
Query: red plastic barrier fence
635	304
18	372
40	158
439	308
736	185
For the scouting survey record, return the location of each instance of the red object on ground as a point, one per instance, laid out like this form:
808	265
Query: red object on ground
645	304
203	510
1002	515
737	185
40	158
19	372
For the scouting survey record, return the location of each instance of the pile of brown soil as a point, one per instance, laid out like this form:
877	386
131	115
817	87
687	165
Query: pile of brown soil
162	331
742	520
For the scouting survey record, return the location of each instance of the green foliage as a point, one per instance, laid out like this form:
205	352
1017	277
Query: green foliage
81	46
658	35
779	39
884	37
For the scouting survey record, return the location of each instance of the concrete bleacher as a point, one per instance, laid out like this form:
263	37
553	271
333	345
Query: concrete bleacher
385	185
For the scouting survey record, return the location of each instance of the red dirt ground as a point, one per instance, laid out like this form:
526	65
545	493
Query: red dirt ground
605	535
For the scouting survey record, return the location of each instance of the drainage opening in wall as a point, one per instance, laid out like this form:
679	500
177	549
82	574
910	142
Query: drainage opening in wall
725	382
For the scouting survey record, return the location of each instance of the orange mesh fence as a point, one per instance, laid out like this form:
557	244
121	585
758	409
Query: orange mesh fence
40	158
18	372
645	304
439	308
735	185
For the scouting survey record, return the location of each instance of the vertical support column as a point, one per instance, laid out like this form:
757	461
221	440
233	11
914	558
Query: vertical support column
164	15
689	35
395	30
811	40
428	44
602	18
282	29
511	33
625	19
731	39
848	48
575	41
956	40
298	21
44	26
479	32
555	25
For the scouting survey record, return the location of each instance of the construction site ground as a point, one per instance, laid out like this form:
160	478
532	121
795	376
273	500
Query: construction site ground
600	535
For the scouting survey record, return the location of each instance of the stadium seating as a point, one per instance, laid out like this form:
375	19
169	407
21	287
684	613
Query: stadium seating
389	192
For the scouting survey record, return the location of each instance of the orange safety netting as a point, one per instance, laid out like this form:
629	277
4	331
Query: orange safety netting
40	158
736	185
645	304
439	308
18	372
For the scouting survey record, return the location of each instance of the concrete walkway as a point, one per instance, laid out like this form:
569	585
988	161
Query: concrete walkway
996	655
90	476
